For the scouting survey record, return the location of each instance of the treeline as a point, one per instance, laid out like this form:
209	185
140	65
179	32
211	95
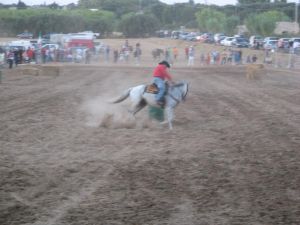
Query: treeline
141	18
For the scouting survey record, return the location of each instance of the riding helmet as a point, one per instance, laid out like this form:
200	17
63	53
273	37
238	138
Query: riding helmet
164	62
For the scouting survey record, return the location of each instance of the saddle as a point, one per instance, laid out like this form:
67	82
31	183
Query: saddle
152	89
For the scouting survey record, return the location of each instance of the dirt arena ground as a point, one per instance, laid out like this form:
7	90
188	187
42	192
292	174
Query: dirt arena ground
68	157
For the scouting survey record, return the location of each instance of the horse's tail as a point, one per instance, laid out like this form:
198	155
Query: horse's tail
122	97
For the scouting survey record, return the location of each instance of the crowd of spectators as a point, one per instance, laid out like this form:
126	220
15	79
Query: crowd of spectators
127	53
79	54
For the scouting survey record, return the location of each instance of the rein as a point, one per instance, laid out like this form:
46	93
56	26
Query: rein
174	98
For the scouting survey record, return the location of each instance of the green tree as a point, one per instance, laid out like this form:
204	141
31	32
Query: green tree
54	5
21	5
138	25
231	24
157	10
89	4
210	20
253	1
52	20
265	23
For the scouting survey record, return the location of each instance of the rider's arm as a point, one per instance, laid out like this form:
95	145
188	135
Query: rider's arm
167	75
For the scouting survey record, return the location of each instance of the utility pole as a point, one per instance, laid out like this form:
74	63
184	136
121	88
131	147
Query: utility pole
296	15
140	4
296	12
140	10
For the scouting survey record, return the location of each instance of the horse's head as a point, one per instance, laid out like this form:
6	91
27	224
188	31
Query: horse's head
183	86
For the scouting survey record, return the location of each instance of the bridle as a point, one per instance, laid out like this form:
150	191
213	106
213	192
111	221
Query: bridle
183	96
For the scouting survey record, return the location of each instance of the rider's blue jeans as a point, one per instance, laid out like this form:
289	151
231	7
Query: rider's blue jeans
161	88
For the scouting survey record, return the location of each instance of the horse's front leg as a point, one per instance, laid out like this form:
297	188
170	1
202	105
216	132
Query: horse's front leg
170	116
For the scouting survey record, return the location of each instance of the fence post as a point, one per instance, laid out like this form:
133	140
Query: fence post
290	63
276	58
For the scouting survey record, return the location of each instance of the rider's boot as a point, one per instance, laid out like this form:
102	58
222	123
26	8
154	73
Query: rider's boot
161	102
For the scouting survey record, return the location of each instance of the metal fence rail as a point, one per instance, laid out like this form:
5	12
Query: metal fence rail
281	58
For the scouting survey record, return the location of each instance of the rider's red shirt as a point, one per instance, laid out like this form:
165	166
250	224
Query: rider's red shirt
161	71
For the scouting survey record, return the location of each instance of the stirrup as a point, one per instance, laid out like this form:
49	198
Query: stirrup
160	103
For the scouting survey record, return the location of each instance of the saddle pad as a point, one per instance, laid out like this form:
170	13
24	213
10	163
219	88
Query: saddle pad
152	88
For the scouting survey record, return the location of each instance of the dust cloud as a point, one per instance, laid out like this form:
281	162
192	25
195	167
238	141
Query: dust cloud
101	113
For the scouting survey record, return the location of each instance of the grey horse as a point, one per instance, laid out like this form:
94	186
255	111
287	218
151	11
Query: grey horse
176	93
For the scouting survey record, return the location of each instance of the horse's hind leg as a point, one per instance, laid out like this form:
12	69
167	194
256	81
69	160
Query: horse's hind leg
138	107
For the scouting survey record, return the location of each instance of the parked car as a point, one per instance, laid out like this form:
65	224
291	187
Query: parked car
47	36
256	41
294	42
270	39
191	37
25	35
50	46
183	35
205	38
96	35
283	43
217	37
270	44
240	42
175	34
227	41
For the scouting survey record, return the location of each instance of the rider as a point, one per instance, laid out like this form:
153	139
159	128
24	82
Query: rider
160	74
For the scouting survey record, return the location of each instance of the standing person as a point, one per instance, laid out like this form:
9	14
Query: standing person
240	53
20	57
191	56
160	74
175	53
116	55
126	54
223	57
30	54
248	60
186	51
126	44
254	58
171	56
138	53
207	59
88	56
107	52
10	59
202	59
167	54
121	55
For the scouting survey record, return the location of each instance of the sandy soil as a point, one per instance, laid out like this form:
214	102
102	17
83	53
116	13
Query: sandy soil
68	157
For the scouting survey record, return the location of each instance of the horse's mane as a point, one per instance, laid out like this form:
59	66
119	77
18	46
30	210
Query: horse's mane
179	84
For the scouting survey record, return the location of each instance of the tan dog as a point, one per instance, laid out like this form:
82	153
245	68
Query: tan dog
252	70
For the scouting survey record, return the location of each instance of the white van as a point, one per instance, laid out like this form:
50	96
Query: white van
22	44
